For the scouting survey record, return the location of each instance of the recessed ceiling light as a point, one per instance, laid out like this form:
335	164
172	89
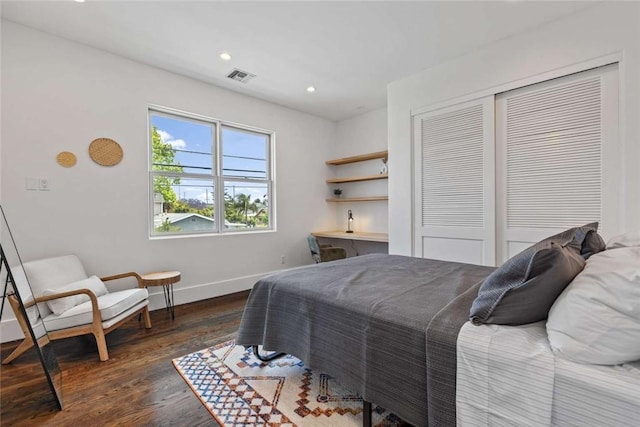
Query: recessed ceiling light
79	1
225	56
311	89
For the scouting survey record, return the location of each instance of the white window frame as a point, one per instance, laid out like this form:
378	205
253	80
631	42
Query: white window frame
217	176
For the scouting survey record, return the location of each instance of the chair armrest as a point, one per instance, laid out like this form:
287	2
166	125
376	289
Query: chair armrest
97	319
122	276
26	304
45	298
325	245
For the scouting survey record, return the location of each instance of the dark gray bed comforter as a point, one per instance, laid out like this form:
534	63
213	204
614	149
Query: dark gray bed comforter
364	320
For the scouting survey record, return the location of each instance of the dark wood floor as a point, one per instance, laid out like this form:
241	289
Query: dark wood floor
137	386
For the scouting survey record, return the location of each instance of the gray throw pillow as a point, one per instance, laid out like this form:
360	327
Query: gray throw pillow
589	240
583	239
525	287
593	243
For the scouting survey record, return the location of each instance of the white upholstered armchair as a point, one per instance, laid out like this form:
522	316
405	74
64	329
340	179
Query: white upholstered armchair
72	303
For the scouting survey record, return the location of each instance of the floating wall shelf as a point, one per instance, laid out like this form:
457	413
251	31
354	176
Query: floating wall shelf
357	178
358	199
360	158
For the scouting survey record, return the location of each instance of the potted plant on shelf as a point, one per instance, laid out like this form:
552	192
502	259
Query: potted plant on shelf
337	192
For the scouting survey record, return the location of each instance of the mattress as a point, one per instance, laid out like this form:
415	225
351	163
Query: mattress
508	375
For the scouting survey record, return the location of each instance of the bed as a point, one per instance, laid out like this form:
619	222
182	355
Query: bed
396	330
509	376
378	323
578	365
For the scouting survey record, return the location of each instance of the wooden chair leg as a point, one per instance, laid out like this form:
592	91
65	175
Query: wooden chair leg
25	345
147	318
102	345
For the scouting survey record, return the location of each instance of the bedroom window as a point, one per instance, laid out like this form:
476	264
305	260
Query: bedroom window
208	176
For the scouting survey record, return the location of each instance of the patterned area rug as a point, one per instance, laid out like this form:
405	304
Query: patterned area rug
239	390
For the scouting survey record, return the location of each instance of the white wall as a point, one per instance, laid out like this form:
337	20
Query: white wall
360	135
603	29
366	133
59	96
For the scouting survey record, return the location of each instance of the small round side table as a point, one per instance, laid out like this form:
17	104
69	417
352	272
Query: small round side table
166	279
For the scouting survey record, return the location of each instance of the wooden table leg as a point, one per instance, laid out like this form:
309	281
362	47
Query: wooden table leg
168	299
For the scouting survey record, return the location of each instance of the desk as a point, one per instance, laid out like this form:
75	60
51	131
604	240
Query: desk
166	279
357	235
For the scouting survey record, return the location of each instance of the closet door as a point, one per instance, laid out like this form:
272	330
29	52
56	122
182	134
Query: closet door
557	148
455	183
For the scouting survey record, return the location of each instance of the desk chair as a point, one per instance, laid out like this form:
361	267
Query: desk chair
324	253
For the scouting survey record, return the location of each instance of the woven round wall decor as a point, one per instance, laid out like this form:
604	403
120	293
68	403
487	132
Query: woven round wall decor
66	159
105	152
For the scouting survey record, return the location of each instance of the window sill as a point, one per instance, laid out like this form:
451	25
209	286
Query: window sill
195	235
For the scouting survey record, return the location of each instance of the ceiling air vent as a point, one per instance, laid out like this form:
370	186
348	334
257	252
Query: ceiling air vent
241	76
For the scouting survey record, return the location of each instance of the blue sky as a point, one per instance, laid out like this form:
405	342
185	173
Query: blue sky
244	155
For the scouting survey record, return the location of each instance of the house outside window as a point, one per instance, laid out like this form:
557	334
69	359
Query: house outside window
208	176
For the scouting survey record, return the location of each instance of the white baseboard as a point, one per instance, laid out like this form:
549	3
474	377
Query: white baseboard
184	295
10	329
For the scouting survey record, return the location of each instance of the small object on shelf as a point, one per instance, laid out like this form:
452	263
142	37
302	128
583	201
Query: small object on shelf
385	169
337	192
349	221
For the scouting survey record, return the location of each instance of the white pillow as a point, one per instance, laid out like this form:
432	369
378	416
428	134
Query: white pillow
60	305
597	318
625	240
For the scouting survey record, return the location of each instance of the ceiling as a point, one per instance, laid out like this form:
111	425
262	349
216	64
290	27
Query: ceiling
348	50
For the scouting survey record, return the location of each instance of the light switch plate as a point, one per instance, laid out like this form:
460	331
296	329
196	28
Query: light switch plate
33	184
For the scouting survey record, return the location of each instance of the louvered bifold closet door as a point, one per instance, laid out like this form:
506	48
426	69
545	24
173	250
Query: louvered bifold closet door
454	183
550	166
